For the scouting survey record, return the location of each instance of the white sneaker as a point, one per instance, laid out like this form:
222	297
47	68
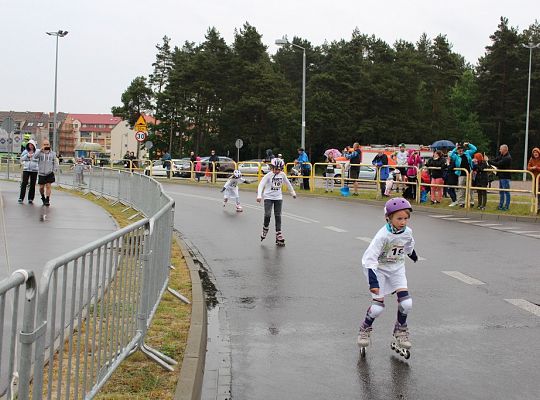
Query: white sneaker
364	335
453	204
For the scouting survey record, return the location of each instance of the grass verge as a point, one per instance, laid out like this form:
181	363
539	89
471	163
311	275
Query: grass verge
138	377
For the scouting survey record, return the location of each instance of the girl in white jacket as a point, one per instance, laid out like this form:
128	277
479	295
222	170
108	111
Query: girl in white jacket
270	188
230	189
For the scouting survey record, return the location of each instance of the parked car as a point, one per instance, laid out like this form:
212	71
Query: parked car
366	172
158	169
184	166
225	164
252	168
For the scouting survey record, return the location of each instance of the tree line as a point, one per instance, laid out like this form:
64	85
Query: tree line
363	90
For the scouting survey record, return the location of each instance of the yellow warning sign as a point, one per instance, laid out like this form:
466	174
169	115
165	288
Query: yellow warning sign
140	125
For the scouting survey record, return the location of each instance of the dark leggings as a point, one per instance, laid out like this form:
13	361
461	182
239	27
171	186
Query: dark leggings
268	212
32	189
482	198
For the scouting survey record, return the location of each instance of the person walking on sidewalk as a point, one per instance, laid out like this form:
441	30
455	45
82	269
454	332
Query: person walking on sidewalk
47	166
30	172
384	268
503	162
270	187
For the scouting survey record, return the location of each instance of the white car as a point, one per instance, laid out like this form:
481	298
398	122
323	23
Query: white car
366	172
158	169
252	168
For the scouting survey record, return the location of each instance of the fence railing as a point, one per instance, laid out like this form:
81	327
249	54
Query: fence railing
94	304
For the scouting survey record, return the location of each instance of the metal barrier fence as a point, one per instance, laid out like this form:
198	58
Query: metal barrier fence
94	304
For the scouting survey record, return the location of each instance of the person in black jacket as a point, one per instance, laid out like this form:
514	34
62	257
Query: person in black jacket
437	166
503	162
213	161
481	179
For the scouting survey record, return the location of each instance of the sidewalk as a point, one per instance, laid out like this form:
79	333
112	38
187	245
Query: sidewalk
31	234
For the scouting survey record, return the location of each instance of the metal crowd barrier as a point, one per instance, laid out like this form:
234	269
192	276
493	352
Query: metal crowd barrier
94	304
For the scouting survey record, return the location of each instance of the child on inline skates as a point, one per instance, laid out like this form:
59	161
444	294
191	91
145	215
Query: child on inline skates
230	189
270	188
384	268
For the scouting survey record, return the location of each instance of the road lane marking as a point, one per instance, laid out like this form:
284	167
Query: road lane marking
489	225
525	305
455	219
364	239
471	221
335	229
523	232
422	259
534	236
464	278
440	216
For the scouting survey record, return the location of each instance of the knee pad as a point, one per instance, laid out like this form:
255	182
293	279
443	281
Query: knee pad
376	309
405	302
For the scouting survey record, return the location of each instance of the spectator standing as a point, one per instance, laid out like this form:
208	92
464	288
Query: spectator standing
462	157
503	162
166	159
401	157
413	161
192	159
305	167
213	164
47	166
437	167
381	162
480	179
30	172
198	168
329	174
451	180
392	177
354	155
534	167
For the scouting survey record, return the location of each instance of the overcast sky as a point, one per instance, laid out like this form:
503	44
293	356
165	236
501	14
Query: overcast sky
111	42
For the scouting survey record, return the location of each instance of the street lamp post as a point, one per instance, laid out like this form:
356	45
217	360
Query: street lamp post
283	42
58	34
529	46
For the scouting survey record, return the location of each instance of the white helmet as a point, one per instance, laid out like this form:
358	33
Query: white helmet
277	163
237	174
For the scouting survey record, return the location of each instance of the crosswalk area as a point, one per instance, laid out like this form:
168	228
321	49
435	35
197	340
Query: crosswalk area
509	227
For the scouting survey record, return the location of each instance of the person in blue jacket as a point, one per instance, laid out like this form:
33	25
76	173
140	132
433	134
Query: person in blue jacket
381	161
305	167
462	156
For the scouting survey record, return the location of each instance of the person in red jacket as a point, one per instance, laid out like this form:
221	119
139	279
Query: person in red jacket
534	167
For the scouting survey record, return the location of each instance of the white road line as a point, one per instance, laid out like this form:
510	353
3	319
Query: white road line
504	228
489	225
525	305
471	221
305	219
534	236
422	259
523	232
464	278
364	239
455	219
335	229
440	216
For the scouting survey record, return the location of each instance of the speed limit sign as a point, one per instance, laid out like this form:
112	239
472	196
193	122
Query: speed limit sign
140	136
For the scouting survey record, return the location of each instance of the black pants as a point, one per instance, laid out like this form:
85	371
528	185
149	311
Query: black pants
306	172
32	189
482	197
277	204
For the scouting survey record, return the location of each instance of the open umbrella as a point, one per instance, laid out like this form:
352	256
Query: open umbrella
442	144
335	153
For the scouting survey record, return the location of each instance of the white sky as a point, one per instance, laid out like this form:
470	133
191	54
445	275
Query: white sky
111	42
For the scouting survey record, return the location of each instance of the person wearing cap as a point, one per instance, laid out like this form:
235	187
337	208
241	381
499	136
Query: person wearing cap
384	268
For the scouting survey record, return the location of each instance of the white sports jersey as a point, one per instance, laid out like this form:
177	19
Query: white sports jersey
387	250
231	187
270	186
401	158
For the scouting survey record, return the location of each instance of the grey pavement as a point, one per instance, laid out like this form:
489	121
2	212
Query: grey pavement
31	235
288	317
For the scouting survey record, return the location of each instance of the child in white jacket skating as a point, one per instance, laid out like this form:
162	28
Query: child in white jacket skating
384	268
270	188
230	189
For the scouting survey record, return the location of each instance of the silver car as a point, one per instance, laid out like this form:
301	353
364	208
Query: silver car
252	168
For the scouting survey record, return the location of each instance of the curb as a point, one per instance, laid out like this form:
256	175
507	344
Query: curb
189	386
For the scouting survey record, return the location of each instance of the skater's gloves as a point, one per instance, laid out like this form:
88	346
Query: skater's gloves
413	256
222	189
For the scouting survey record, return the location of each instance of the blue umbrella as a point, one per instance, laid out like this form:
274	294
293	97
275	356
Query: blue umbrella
442	144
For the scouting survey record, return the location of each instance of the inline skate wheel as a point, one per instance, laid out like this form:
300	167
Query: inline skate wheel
362	351
405	353
393	346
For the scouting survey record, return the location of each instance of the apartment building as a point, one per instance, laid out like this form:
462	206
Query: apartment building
92	128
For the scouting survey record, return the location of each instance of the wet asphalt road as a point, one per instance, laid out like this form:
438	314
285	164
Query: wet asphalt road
291	314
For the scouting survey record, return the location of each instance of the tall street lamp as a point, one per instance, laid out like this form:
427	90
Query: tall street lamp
58	34
283	42
529	46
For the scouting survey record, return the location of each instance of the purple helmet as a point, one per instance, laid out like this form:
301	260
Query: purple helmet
396	204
